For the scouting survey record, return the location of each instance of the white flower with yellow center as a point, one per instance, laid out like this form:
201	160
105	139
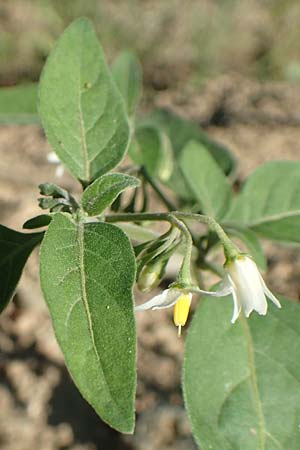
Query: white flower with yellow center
178	298
249	291
242	280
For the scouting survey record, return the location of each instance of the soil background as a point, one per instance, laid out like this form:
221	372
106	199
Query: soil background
40	409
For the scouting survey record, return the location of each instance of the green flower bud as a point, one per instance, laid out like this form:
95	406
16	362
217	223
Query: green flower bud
151	275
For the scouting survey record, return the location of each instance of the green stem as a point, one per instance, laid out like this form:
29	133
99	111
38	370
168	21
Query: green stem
156	188
184	276
230	249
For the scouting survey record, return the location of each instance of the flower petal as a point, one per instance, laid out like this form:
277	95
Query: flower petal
269	293
53	158
164	300
245	277
236	306
59	171
225	288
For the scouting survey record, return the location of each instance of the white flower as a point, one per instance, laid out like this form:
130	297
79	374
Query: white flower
180	299
242	280
54	159
249	291
164	300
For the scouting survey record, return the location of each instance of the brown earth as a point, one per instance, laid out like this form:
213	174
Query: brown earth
39	406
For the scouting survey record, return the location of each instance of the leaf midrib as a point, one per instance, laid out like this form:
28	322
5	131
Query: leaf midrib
81	120
80	235
274	217
263	220
80	239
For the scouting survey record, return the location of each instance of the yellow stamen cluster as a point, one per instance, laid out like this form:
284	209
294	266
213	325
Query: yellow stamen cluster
181	311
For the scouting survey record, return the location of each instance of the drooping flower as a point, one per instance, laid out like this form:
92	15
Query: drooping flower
180	299
242	280
247	287
54	159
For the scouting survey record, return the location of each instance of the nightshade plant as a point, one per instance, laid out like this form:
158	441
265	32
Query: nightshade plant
241	381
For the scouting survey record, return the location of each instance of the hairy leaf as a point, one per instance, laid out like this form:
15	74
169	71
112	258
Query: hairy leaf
103	191
127	73
269	203
205	179
181	131
87	274
241	385
151	148
82	111
15	249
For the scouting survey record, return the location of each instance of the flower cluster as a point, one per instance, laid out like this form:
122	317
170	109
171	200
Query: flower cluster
242	280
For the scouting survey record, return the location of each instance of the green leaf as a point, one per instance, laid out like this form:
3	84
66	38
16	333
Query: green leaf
37	222
250	239
242	382
87	275
82	111
152	149
138	233
53	190
15	249
181	131
206	180
18	104
103	191
127	73
269	203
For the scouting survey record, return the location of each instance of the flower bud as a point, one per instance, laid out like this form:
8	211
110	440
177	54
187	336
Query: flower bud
150	275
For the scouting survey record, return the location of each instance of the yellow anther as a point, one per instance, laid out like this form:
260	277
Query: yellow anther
181	311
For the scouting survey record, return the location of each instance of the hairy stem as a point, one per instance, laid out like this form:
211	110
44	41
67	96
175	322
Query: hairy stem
185	270
231	251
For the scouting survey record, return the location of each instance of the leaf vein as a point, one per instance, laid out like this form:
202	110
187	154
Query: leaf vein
62	279
82	124
65	247
71	310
